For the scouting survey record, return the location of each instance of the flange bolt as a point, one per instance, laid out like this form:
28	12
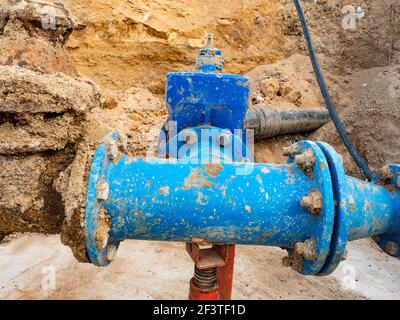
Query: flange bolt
305	161
291	151
392	248
313	202
111	252
190	137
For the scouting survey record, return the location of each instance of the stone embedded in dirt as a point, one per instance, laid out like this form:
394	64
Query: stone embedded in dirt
33	35
46	18
42	111
26	91
33	133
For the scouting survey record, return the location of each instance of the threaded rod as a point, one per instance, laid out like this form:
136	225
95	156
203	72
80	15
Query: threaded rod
205	278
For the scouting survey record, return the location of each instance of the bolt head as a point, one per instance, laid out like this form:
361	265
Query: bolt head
305	161
190	137
102	190
300	160
291	151
111	252
287	151
313	202
385	174
245	160
112	149
392	248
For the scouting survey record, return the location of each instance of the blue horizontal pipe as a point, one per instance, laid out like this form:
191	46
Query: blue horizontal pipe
233	203
180	202
371	209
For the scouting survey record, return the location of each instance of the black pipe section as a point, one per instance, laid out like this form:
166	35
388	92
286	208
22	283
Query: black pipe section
268	122
327	98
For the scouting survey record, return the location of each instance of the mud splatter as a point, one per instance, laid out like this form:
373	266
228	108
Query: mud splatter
213	169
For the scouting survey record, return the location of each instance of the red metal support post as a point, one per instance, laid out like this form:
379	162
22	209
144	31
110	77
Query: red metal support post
213	272
225	274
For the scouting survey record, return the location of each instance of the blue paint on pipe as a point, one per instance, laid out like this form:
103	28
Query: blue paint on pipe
372	212
363	209
215	99
174	201
339	185
390	240
232	202
178	202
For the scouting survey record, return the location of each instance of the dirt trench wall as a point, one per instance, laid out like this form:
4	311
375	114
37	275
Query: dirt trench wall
43	106
123	43
33	35
372	119
28	201
350	43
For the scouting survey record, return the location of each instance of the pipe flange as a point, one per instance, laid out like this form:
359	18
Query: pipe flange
342	205
97	223
390	241
310	256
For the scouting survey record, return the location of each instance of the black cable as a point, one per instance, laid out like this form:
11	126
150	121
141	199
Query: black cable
327	98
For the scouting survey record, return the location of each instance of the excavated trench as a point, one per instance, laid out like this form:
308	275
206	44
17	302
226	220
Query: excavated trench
52	117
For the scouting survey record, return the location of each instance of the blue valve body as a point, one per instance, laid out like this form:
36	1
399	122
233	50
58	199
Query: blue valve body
206	99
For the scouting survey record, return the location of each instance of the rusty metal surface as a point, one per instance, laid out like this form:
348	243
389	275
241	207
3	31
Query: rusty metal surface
205	258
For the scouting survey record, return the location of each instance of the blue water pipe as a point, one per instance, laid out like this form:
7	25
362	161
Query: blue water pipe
213	192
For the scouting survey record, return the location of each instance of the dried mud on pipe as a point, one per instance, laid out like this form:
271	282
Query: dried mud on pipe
72	185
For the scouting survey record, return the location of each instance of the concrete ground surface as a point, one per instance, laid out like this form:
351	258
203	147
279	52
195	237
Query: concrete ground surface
36	266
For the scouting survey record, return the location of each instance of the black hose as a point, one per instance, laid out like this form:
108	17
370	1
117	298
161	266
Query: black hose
327	98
